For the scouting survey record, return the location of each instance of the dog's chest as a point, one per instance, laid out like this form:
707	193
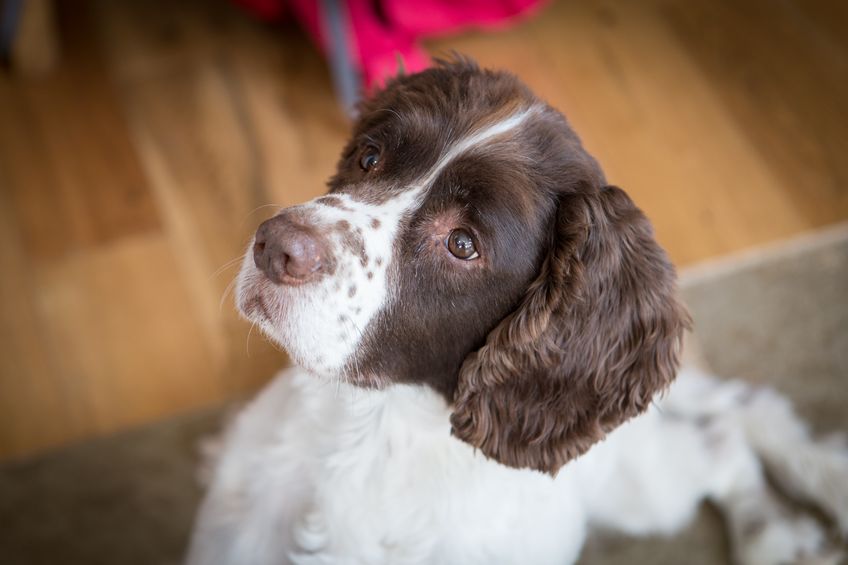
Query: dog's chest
376	477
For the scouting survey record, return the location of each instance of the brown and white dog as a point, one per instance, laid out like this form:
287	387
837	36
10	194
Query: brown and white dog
476	316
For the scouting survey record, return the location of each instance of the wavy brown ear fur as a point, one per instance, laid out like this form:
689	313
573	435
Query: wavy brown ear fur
596	336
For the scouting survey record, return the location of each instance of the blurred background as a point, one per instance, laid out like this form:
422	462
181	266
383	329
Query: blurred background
142	141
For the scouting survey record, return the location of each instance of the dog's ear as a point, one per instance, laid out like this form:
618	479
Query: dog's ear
597	334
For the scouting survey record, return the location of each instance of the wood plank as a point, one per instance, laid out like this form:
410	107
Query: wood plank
208	126
66	153
36	48
120	321
37	407
787	94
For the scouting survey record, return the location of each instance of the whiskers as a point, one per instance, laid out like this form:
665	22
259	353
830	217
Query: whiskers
247	340
228	290
229	264
262	207
235	261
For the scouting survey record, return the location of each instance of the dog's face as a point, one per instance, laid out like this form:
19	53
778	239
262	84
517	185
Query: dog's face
470	244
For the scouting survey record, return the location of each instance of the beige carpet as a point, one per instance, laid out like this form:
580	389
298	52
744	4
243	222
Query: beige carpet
777	315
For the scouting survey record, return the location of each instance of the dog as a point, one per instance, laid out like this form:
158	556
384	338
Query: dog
482	328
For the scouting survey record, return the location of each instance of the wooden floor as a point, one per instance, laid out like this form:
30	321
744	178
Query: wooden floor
132	175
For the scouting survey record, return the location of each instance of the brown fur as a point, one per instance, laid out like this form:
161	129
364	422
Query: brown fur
596	336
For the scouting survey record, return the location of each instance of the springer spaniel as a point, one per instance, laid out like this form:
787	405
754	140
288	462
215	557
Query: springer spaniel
477	320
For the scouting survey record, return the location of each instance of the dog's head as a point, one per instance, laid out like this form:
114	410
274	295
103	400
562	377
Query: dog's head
469	243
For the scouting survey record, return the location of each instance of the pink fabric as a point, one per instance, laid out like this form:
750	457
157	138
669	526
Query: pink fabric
378	39
437	17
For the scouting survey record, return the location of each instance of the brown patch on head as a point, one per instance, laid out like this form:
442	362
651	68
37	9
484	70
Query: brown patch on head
375	223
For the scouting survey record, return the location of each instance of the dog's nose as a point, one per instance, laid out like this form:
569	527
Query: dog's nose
287	252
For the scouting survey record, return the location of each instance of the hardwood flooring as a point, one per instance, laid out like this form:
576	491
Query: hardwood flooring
133	174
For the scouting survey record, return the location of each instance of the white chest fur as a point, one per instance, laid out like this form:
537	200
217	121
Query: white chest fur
312	472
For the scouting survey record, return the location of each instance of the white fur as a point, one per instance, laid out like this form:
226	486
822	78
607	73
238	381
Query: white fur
314	473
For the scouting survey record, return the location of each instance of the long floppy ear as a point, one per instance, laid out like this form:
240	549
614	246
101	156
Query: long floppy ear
597	334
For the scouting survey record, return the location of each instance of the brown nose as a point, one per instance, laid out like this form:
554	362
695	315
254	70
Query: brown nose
288	253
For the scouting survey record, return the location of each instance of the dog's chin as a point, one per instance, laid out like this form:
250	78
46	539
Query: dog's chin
255	308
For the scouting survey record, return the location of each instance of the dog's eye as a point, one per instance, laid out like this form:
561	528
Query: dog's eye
370	158
461	245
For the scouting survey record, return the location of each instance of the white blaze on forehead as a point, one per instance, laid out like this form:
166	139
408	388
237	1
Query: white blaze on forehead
473	141
322	323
